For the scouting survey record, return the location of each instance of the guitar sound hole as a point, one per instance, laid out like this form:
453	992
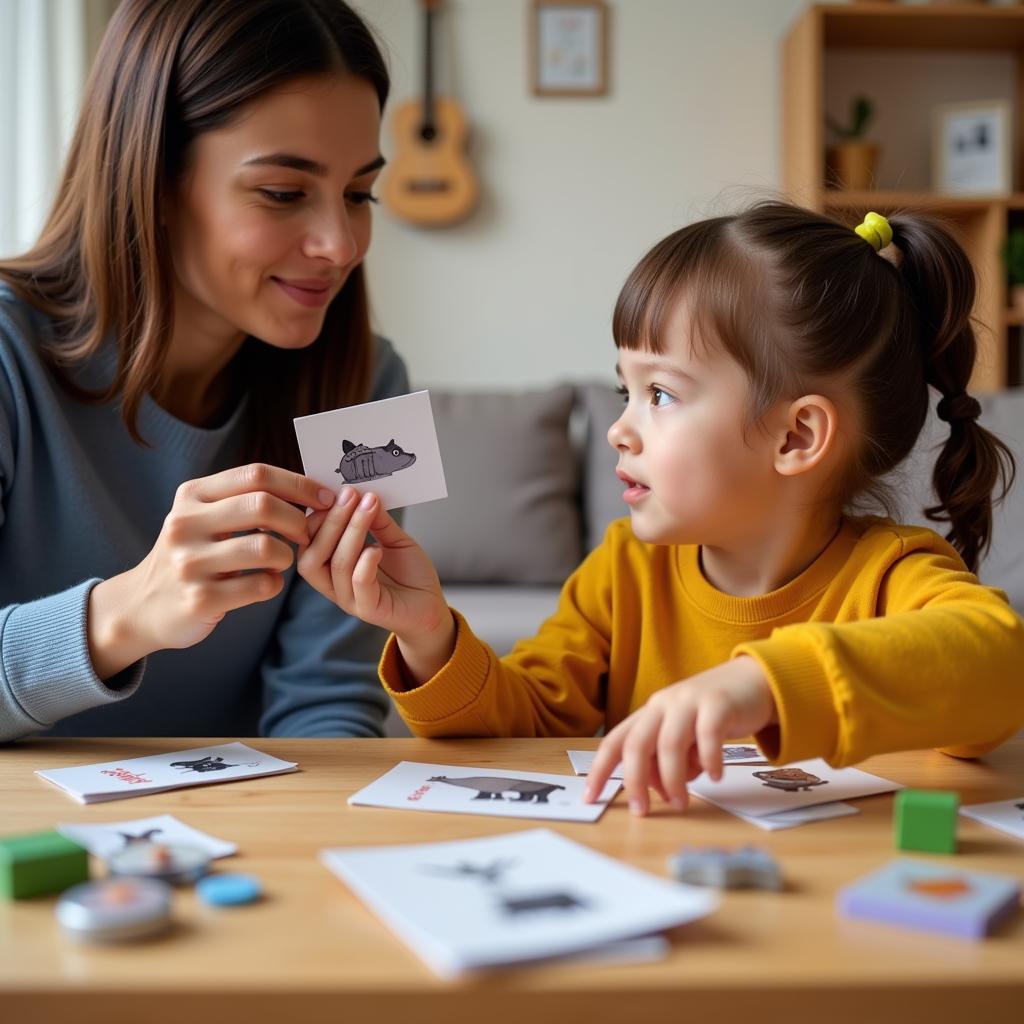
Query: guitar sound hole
428	133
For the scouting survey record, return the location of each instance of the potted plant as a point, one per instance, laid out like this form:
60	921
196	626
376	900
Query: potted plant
1013	257
852	160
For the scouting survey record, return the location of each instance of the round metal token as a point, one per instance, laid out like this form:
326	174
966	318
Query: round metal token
115	909
229	890
172	863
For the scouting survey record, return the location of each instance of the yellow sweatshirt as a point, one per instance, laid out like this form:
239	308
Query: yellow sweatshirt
886	642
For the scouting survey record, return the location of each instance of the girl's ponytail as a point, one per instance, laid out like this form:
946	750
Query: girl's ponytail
973	462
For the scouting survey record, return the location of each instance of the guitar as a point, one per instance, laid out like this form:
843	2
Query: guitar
429	182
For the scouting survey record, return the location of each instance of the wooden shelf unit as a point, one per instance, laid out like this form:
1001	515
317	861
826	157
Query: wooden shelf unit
980	222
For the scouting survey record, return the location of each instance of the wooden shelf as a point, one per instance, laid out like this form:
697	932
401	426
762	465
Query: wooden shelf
924	27
980	222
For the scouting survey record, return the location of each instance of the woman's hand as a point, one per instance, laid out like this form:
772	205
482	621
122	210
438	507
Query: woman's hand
392	584
199	568
679	733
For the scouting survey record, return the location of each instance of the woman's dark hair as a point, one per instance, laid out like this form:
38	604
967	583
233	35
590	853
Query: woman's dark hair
166	72
798	299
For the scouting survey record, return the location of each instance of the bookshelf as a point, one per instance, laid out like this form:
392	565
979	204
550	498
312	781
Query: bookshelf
823	35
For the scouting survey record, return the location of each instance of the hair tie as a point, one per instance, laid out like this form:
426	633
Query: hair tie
875	230
958	407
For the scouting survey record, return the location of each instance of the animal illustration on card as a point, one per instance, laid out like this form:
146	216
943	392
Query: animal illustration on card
203	764
791	780
145	837
361	463
491	787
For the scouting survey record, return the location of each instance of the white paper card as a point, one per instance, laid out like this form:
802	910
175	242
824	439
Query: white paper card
155	773
113	836
761	791
511	898
458	789
1005	815
388	447
732	753
803	816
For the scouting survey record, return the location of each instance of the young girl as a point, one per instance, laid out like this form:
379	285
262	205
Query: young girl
198	284
775	365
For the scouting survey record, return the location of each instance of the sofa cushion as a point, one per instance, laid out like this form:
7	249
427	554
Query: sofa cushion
512	513
602	489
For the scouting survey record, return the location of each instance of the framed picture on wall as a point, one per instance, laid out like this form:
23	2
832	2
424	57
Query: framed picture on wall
971	148
568	47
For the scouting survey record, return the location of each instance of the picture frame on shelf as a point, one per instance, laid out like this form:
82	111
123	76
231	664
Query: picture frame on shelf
971	148
568	47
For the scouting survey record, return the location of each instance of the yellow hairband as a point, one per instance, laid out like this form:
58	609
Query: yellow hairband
875	230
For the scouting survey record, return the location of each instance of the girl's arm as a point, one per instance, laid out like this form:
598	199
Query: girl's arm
938	666
444	680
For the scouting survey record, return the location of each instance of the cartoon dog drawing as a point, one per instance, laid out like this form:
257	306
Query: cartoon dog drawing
360	463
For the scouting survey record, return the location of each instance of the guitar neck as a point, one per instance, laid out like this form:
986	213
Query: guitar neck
429	126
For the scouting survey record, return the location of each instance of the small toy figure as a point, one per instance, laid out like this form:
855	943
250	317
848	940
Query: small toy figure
745	868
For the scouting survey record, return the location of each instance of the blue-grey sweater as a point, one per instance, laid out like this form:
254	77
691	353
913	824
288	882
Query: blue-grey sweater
80	501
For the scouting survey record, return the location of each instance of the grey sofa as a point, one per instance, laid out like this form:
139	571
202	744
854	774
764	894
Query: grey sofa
531	488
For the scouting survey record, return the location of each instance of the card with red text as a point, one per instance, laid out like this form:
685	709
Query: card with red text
155	773
458	789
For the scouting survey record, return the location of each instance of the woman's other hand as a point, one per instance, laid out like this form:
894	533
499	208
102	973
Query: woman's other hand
220	548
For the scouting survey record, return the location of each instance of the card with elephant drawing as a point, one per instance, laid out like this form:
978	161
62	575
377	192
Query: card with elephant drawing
459	789
757	792
388	447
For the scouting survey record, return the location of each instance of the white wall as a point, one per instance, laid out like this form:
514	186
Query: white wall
575	190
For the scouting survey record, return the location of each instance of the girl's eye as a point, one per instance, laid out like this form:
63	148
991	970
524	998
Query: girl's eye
623	393
282	198
362	198
659	397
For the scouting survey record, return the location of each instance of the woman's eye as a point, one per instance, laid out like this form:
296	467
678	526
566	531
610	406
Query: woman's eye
362	198
283	198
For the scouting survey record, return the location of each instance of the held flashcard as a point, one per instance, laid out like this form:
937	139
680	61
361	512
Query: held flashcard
388	447
933	897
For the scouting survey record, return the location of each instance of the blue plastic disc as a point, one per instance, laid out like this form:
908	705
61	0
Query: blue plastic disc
229	890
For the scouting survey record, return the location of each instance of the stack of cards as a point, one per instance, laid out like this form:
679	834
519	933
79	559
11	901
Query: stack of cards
155	773
773	798
508	899
459	789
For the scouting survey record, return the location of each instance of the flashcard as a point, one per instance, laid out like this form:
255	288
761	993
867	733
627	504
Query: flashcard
1005	815
513	898
933	897
111	837
759	792
155	773
732	753
457	789
800	816
388	447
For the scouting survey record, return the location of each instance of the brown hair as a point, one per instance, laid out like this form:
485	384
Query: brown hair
798	299
167	71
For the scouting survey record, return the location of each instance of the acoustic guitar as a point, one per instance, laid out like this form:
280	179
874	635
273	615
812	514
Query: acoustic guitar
429	181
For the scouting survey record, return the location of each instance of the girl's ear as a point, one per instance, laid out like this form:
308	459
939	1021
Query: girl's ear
809	434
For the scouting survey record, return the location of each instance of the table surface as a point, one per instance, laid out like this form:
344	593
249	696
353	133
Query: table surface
312	950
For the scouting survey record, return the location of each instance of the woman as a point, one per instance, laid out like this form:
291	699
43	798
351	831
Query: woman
198	285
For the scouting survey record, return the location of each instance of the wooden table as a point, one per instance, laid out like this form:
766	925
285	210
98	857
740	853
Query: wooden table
312	952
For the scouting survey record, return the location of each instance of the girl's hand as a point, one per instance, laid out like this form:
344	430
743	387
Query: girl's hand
679	733
199	569
392	584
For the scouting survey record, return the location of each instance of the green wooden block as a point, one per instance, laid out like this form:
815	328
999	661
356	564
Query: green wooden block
40	862
926	820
